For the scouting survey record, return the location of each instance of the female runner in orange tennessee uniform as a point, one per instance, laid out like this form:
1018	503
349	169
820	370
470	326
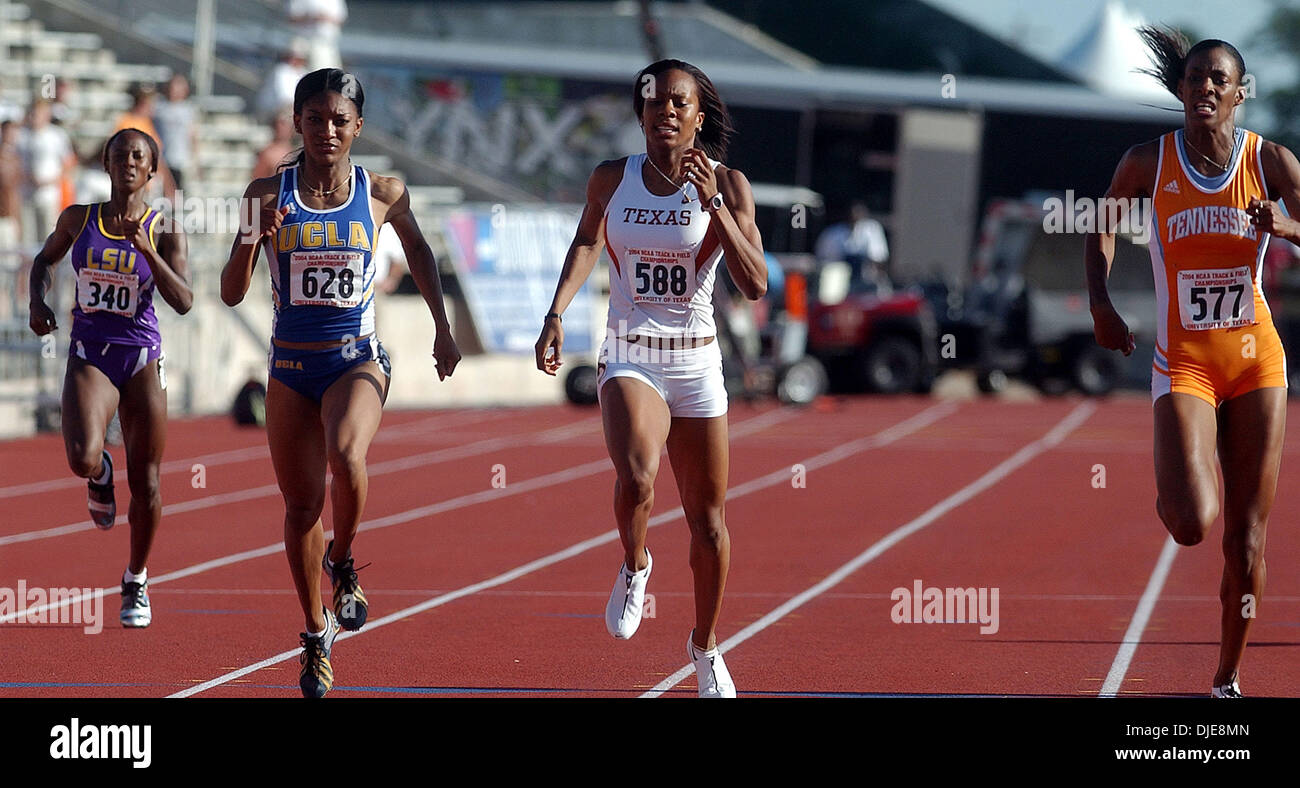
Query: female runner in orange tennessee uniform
1219	375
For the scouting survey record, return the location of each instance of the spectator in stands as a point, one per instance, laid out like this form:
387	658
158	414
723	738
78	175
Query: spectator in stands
276	93
278	149
140	116
9	110
47	156
11	184
321	23
860	241
92	185
176	118
61	111
390	260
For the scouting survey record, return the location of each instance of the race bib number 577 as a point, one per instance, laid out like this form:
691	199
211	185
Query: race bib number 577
325	278
1216	298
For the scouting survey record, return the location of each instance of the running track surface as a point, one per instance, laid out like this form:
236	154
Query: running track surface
483	590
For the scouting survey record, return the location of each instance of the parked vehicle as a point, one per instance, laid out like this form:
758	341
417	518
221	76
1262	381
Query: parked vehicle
873	338
1026	312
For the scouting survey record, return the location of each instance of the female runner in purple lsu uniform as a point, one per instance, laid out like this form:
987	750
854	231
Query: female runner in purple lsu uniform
122	252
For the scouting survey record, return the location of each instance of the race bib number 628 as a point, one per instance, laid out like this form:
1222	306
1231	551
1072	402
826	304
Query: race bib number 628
325	279
1216	298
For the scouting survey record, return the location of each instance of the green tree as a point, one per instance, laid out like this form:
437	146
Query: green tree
1281	36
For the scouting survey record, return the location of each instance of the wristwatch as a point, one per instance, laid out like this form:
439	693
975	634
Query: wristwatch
714	204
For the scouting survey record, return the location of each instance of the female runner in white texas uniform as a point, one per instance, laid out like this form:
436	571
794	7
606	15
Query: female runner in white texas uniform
667	215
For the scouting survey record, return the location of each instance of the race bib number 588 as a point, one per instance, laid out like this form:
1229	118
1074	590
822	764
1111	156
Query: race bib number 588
660	277
1216	298
325	278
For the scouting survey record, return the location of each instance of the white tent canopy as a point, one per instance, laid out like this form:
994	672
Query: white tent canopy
1108	53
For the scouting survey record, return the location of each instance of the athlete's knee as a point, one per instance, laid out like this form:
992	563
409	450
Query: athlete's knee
1243	550
637	485
708	526
347	463
145	486
302	513
82	461
1189	522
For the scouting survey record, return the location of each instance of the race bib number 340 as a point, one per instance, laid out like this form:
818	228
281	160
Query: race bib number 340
325	278
107	291
1216	298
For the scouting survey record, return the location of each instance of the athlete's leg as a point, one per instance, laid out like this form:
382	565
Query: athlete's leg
1251	431
698	450
1187	482
144	431
89	399
350	412
297	442
636	422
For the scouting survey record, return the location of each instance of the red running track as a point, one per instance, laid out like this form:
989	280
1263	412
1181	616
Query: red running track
481	590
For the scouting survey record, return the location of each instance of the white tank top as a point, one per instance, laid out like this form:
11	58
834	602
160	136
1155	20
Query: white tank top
664	260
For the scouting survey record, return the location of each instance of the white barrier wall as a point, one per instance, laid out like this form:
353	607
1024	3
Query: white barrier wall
210	356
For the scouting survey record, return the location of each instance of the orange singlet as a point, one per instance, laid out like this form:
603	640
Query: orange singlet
1215	337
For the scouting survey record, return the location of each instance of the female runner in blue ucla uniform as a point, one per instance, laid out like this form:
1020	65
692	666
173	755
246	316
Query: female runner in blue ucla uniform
122	252
319	219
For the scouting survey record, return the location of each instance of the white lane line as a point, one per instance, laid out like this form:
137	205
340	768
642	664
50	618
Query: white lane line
377	469
782	476
558	477
248	453
992	477
1128	646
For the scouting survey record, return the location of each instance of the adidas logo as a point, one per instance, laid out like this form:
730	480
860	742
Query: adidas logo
1171	187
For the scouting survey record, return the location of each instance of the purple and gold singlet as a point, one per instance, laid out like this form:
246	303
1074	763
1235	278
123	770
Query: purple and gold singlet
114	285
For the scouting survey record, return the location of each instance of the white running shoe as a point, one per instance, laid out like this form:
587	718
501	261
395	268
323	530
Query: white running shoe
626	601
1227	691
136	611
711	671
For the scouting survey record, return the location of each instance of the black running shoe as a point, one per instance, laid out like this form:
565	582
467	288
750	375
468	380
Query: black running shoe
349	600
100	500
317	675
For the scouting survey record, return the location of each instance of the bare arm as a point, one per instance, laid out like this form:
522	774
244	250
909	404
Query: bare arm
259	202
1282	177
1132	179
169	264
392	193
69	224
742	244
581	258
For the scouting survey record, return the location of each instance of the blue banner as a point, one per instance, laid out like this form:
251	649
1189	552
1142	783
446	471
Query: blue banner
508	260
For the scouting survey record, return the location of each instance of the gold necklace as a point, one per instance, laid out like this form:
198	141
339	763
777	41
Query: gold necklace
682	188
1222	167
326	192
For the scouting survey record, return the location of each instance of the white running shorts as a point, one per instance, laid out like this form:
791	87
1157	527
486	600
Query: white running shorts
689	380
